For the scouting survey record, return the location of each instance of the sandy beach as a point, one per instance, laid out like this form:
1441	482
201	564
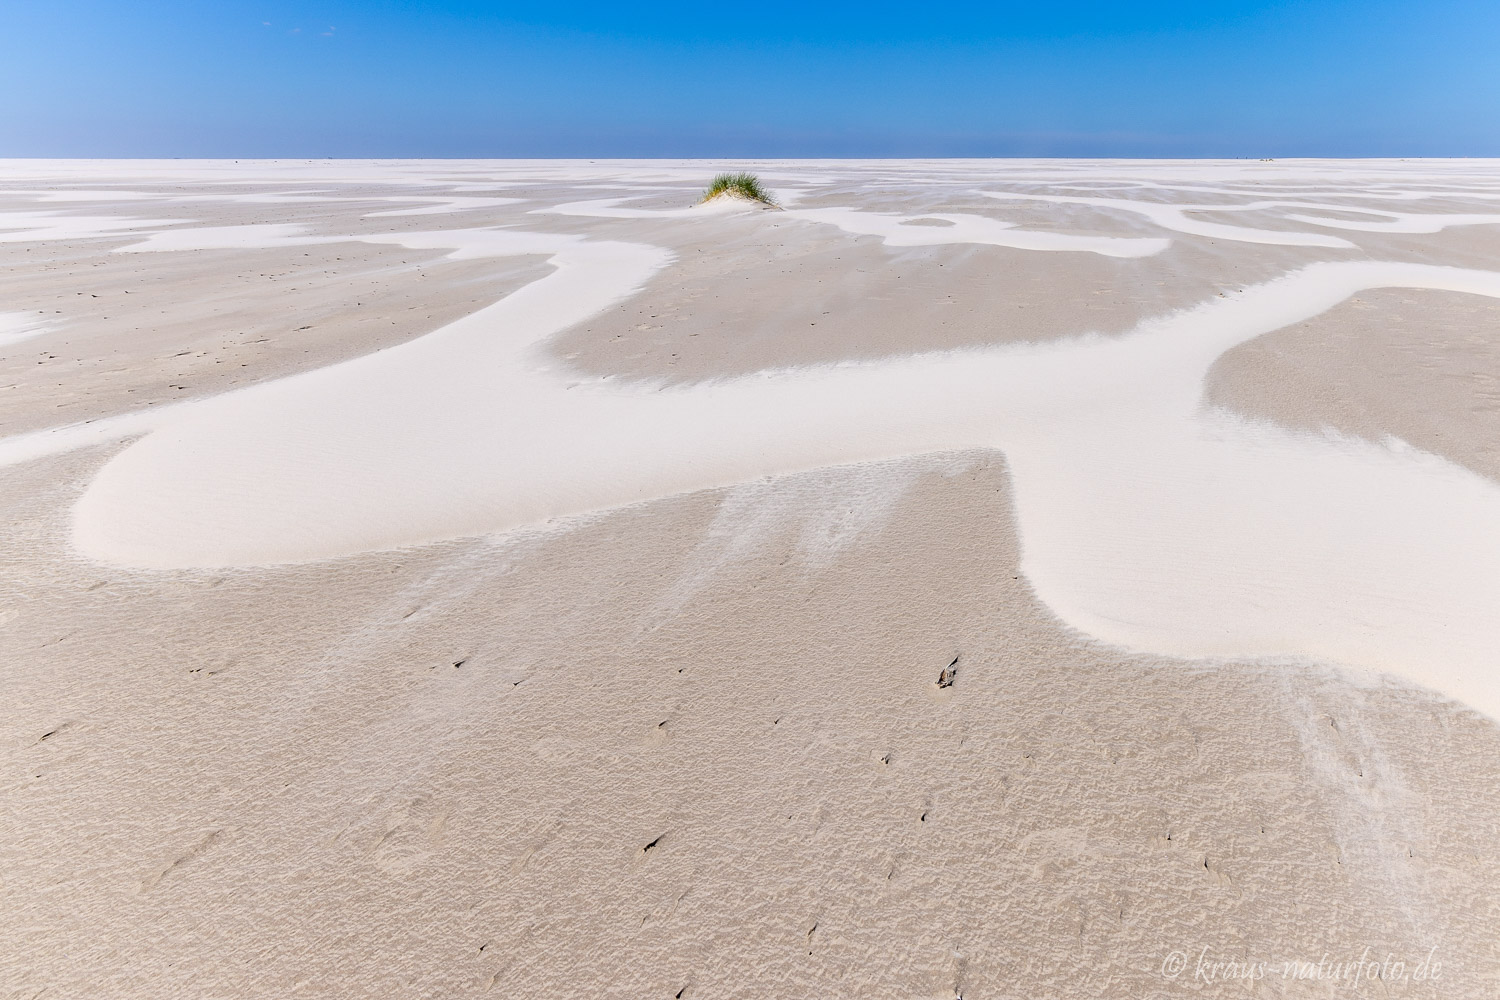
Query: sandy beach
512	578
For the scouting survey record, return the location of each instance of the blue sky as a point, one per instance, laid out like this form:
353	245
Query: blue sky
775	78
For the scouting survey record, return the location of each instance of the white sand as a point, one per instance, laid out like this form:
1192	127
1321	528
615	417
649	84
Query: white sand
910	231
614	208
32	227
587	644
16	327
1143	522
1179	218
1402	222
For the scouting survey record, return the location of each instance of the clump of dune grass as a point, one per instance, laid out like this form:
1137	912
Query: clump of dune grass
741	185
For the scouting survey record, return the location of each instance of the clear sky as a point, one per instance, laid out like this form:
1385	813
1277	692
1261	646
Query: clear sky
772	78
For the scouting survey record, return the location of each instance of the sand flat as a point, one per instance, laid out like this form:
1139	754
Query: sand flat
562	611
1419	367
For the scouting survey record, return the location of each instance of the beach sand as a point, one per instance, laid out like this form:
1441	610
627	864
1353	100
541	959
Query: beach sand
1422	367
693	743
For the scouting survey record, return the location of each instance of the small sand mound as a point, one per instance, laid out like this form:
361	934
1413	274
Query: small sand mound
742	187
734	201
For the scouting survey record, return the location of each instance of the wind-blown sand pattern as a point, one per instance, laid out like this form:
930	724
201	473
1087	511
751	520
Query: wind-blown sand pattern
1183	613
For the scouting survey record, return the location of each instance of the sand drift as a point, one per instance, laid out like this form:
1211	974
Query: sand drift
1147	519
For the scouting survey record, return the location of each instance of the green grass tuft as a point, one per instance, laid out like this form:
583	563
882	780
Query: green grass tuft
742	185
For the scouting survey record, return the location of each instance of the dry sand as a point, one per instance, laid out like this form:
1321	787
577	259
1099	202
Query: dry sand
694	746
1423	367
